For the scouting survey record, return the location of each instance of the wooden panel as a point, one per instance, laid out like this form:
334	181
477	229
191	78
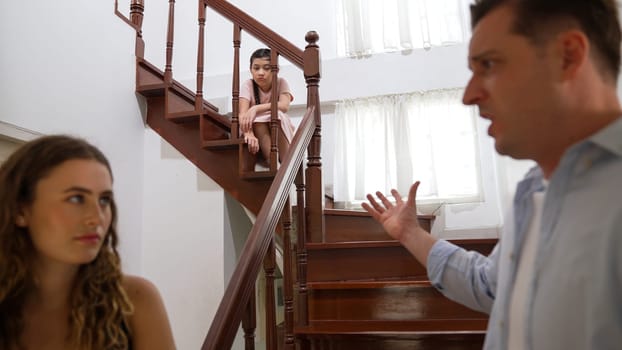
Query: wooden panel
389	262
391	303
349	225
376	342
373	260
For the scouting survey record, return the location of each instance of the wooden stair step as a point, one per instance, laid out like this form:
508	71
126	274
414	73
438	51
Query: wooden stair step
407	329
183	117
368	284
404	302
392	341
221	144
151	90
358	225
258	175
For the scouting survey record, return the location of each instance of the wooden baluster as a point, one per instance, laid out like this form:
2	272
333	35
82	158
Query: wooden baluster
198	101
301	250
235	100
249	323
168	69
137	8
288	280
274	111
269	267
315	195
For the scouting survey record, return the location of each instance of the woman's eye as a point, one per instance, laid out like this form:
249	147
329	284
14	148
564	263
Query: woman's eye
105	201
77	199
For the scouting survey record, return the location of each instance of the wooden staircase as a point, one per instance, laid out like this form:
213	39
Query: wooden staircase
365	291
347	284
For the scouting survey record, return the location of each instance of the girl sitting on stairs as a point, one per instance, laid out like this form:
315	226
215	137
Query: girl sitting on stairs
255	116
61	285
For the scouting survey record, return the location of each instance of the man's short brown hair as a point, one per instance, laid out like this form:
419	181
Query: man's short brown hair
537	19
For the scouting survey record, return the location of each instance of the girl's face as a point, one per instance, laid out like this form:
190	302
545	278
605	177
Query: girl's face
262	74
71	212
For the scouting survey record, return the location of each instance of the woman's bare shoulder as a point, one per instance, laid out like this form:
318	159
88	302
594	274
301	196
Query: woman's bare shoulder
149	323
137	287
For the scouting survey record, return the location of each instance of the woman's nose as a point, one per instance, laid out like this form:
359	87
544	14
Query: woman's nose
94	215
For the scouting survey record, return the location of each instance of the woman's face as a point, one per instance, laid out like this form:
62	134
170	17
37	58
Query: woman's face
262	73
71	212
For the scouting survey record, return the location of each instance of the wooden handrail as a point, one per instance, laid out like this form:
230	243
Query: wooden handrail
231	309
264	34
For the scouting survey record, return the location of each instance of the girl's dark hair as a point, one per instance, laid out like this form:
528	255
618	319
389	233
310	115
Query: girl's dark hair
99	305
259	53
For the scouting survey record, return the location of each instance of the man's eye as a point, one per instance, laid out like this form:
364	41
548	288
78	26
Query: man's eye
487	64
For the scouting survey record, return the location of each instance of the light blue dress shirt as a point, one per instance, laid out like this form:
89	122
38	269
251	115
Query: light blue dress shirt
575	293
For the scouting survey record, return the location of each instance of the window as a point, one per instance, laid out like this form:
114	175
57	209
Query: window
371	26
391	141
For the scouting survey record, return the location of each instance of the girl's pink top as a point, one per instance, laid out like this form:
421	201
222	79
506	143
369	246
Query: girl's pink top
246	92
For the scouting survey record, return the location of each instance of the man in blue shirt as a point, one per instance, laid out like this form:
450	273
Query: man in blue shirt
545	75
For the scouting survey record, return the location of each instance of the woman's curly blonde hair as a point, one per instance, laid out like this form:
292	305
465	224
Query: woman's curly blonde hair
99	304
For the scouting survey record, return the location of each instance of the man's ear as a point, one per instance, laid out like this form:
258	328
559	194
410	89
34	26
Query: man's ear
574	48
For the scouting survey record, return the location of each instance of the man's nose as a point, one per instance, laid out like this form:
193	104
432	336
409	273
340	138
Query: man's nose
473	93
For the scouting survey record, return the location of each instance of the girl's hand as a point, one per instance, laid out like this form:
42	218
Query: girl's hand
246	120
252	141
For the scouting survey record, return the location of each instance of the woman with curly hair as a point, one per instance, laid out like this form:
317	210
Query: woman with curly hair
61	285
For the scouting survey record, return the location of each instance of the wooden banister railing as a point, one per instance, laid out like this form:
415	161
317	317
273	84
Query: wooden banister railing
231	310
264	34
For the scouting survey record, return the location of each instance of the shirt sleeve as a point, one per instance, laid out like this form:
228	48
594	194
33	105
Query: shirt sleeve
284	88
467	277
246	91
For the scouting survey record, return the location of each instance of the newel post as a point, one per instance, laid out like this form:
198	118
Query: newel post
315	188
137	10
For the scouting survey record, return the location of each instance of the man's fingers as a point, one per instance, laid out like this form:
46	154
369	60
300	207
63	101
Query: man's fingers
412	194
377	207
387	203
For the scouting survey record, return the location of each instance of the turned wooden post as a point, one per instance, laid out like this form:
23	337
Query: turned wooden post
269	268
249	322
274	110
301	249
288	277
235	100
198	101
137	9
168	68
315	194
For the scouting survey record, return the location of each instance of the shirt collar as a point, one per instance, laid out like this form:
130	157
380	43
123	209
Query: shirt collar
610	137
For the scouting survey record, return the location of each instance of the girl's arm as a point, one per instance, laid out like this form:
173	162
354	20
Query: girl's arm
244	118
285	99
247	114
149	325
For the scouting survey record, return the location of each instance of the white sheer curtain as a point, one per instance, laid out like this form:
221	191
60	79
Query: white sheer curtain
372	26
390	141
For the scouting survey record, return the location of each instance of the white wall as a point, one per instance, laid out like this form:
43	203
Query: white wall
67	67
184	220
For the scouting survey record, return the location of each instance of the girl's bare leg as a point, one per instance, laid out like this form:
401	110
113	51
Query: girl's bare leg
262	132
